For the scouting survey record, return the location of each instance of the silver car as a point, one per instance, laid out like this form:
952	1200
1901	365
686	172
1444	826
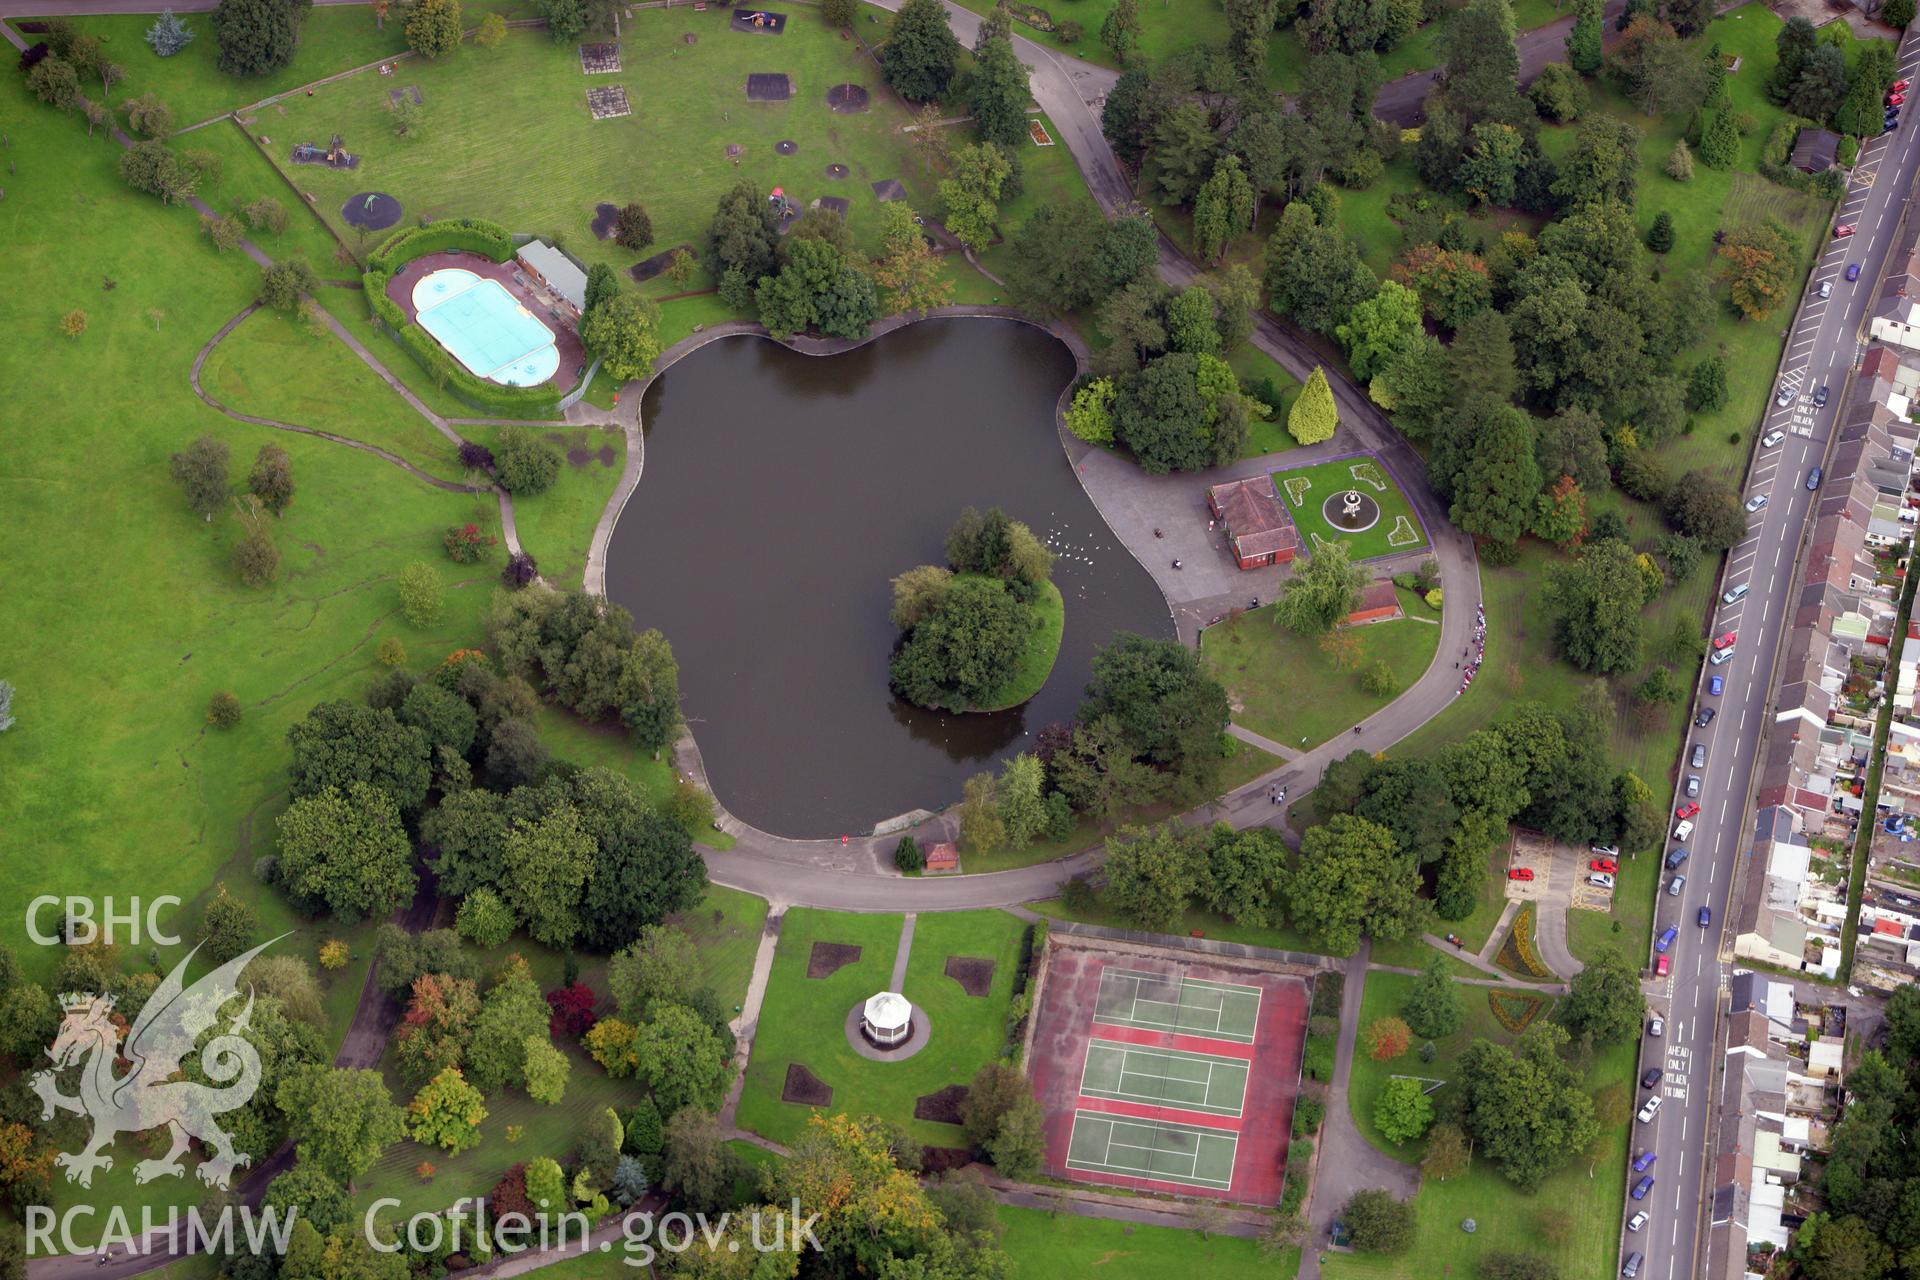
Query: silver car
1656	1026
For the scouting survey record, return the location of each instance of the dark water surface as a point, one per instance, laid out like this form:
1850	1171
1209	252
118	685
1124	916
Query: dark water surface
781	495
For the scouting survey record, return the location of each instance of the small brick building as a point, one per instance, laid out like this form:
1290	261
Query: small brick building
1378	602
1258	528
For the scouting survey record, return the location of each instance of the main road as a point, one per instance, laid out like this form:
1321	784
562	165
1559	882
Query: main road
1822	347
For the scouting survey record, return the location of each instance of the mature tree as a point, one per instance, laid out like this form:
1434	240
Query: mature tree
1378	1223
995	1090
545	1069
512	1010
317	1200
1120	29
1316	276
1319	595
1168	708
681	1058
1402	1112
1897	14
345	847
1249	24
1223	208
1841	1248
907	270
1557	93
1705	508
168	35
998	93
339	1119
1152	872
1595	603
1163	418
1526	1106
1352	879
1490	171
661	964
1433	1009
960	654
1378	328
1719	141
1493	493
646	870
1658	71
1245	874
255	36
1099	773
433	1033
271	479
1821	85
1448	1155
1604	1000
1313	416
446	1113
228	927
148	116
200	470
339	743
1573	443
1758	264
284	284
1410	798
622	331
921	52
1454	285
744	232
433	27
970	192
1583	41
544	865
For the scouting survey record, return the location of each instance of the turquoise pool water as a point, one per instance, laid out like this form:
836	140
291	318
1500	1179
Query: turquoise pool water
485	327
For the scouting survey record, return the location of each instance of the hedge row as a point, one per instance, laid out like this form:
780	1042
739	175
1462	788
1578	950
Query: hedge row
476	234
1776	162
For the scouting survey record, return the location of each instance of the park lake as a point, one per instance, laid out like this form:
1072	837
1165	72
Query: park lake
783	492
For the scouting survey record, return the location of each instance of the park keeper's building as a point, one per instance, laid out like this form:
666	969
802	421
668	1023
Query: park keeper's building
1258	528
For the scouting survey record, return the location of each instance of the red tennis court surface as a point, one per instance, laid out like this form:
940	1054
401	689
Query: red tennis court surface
1166	1072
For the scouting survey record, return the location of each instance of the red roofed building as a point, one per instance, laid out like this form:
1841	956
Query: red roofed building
944	856
1378	603
1258	527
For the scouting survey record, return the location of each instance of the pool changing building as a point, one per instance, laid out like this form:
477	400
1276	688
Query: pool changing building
560	274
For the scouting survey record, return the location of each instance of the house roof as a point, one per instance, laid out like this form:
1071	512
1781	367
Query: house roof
1257	523
1815	149
560	272
1377	595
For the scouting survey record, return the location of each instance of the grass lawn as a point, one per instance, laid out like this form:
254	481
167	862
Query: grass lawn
670	153
808	1015
1572	1218
1304	490
606	743
548	1131
1283	686
1474	930
1254	367
556	527
726	927
246	175
1047	1245
1036	664
1166	27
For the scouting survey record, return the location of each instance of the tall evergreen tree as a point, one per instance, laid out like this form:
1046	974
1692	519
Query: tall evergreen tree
921	51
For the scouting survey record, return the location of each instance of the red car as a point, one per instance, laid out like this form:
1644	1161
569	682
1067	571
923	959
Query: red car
1726	641
1899	86
1842	231
1607	865
1687	810
1519	873
1662	965
1895	99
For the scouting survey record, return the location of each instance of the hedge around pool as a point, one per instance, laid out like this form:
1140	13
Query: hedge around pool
476	235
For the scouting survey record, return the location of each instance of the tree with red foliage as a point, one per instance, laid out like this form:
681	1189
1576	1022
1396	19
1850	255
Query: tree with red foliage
1387	1038
573	1013
509	1195
439	1020
1561	513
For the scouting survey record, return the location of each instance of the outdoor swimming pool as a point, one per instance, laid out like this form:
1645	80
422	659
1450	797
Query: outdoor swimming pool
485	327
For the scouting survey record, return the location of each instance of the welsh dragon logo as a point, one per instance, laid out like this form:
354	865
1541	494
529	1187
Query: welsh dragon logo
150	1094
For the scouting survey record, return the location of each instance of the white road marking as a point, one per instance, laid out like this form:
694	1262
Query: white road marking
1712	869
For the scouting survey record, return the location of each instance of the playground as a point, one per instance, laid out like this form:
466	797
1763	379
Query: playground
652	121
1162	1070
1375	521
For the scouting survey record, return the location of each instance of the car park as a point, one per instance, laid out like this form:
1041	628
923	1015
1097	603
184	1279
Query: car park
1675	885
1665	940
1600	880
1716	685
1607	865
1705	918
1826	289
1720	657
1519	873
1699	757
1650	1110
1813	478
1853	271
1735	594
1677	856
1693	784
1644	1161
1687	810
1637	1221
1662	966
1756	502
1819	397
1642	1187
1725	640
1704	719
1657	1026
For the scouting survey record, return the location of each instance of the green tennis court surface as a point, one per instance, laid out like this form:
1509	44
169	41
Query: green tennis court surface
1222	1010
1146	1149
1165	1077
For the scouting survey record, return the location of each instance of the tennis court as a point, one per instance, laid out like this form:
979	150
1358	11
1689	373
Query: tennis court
1165	1077
1152	1149
1193	1006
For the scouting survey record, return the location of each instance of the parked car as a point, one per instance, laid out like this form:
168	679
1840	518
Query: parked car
1705	718
1686	810
1677	856
1772	438
1889	125
1519	873
1756	502
1699	757
1853	271
1716	685
1665	940
1642	1187
1683	829
1899	86
1783	397
1842	231
1607	865
1825	290
1895	99
1600	880
1813	478
1631	1266
1693	784
1675	885
1725	639
1657	1026
1720	657
1819	397
1705	918
1604	850
1644	1161
1650	1110
1652	1077
1637	1221
1662	966
1738	592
